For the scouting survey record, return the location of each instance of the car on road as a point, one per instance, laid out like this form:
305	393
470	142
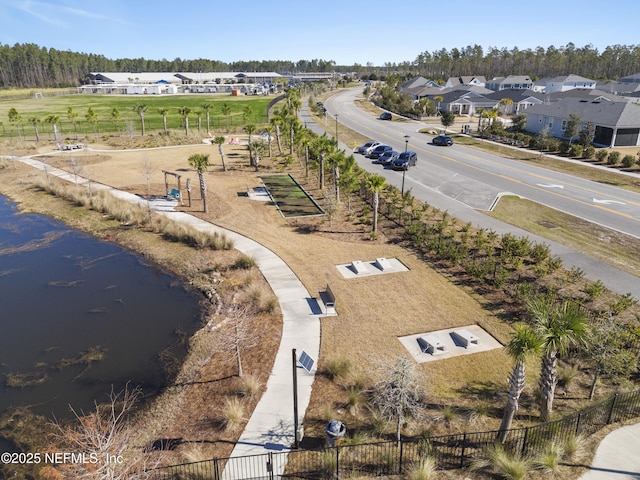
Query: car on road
379	150
386	116
367	147
443	140
387	157
405	160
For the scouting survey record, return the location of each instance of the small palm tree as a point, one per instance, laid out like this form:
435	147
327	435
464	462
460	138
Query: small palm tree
226	111
200	161
258	150
523	343
559	327
220	141
207	107
164	111
35	121
140	109
53	119
375	183
184	112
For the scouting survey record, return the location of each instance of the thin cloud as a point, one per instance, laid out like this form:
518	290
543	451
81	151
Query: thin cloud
58	15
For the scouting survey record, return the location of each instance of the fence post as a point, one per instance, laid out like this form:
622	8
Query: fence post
524	441
578	423
464	447
270	465
400	460
216	470
337	462
612	410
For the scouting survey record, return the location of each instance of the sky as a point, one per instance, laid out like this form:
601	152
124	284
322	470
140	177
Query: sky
347	32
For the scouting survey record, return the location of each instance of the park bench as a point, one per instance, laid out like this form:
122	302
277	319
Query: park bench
465	337
431	344
329	300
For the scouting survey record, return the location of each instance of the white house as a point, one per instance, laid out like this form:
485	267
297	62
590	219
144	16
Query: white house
567	82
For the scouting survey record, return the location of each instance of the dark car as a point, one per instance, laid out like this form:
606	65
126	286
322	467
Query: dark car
443	140
379	150
387	157
385	116
367	147
405	160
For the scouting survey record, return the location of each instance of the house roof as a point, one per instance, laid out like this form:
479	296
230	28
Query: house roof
511	79
635	78
598	110
465	80
571	78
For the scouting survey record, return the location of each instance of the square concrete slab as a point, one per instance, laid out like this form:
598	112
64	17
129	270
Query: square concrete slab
441	344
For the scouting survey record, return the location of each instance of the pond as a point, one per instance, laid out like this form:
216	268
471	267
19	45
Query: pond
79	315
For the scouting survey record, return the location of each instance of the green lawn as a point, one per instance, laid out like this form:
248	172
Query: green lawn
291	199
103	106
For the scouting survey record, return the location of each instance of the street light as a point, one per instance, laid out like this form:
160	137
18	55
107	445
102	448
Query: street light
404	171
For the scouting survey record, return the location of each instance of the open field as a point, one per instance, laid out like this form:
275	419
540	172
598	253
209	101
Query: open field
103	105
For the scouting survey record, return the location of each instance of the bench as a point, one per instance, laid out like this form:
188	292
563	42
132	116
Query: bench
359	267
329	300
431	344
465	337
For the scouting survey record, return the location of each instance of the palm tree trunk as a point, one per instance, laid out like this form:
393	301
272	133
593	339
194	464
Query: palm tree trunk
516	385
375	211
224	165
592	390
548	382
203	191
278	138
239	361
321	173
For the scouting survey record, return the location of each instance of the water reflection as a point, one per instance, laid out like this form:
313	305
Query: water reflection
78	315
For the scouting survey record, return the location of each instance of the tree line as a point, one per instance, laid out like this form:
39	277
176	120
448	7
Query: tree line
29	65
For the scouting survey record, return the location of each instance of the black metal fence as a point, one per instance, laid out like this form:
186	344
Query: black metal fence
392	458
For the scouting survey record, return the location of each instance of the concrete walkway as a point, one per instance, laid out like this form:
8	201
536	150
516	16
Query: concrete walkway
271	426
618	456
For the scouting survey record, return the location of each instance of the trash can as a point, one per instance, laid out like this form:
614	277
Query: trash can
335	430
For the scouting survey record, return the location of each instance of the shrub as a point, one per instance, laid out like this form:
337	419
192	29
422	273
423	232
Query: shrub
245	262
563	148
589	152
628	161
508	465
232	414
249	385
594	289
576	151
613	158
549	459
601	155
339	367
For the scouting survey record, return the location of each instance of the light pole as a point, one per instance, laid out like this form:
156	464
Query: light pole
404	171
337	128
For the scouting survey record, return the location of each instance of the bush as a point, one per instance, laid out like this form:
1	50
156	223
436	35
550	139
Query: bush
601	155
628	161
576	151
563	148
589	152
613	158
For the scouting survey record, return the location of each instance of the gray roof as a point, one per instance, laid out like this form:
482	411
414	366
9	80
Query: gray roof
600	111
571	78
631	78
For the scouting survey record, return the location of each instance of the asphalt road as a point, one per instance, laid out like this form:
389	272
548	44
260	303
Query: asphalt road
466	182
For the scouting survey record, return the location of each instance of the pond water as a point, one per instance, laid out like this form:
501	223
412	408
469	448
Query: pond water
78	315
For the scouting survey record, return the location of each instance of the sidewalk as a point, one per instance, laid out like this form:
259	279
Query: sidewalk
618	456
271	426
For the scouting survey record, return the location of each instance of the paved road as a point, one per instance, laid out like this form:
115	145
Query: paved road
477	178
444	197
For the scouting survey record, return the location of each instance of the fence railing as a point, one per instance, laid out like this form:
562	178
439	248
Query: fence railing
393	458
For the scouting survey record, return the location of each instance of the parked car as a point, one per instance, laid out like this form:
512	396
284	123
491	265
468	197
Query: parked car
386	116
405	160
443	140
367	147
387	157
379	150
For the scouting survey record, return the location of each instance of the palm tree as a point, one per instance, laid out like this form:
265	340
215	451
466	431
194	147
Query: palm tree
200	161
185	111
140	109
278	120
35	121
523	343
164	111
207	107
439	99
198	114
559	327
375	183
220	141
250	128
258	149
226	111
322	145
505	104
269	130
53	119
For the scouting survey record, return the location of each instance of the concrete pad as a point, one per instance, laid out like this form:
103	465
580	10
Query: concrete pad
617	456
446	344
379	266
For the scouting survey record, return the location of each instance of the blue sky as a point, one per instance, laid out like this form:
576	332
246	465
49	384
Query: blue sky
347	31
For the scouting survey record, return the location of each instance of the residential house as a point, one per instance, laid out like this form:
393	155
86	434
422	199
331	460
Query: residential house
617	122
512	82
631	78
453	82
521	100
420	87
567	82
465	100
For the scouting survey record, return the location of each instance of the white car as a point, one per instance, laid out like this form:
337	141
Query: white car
367	147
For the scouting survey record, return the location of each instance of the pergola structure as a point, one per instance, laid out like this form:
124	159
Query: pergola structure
174	192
